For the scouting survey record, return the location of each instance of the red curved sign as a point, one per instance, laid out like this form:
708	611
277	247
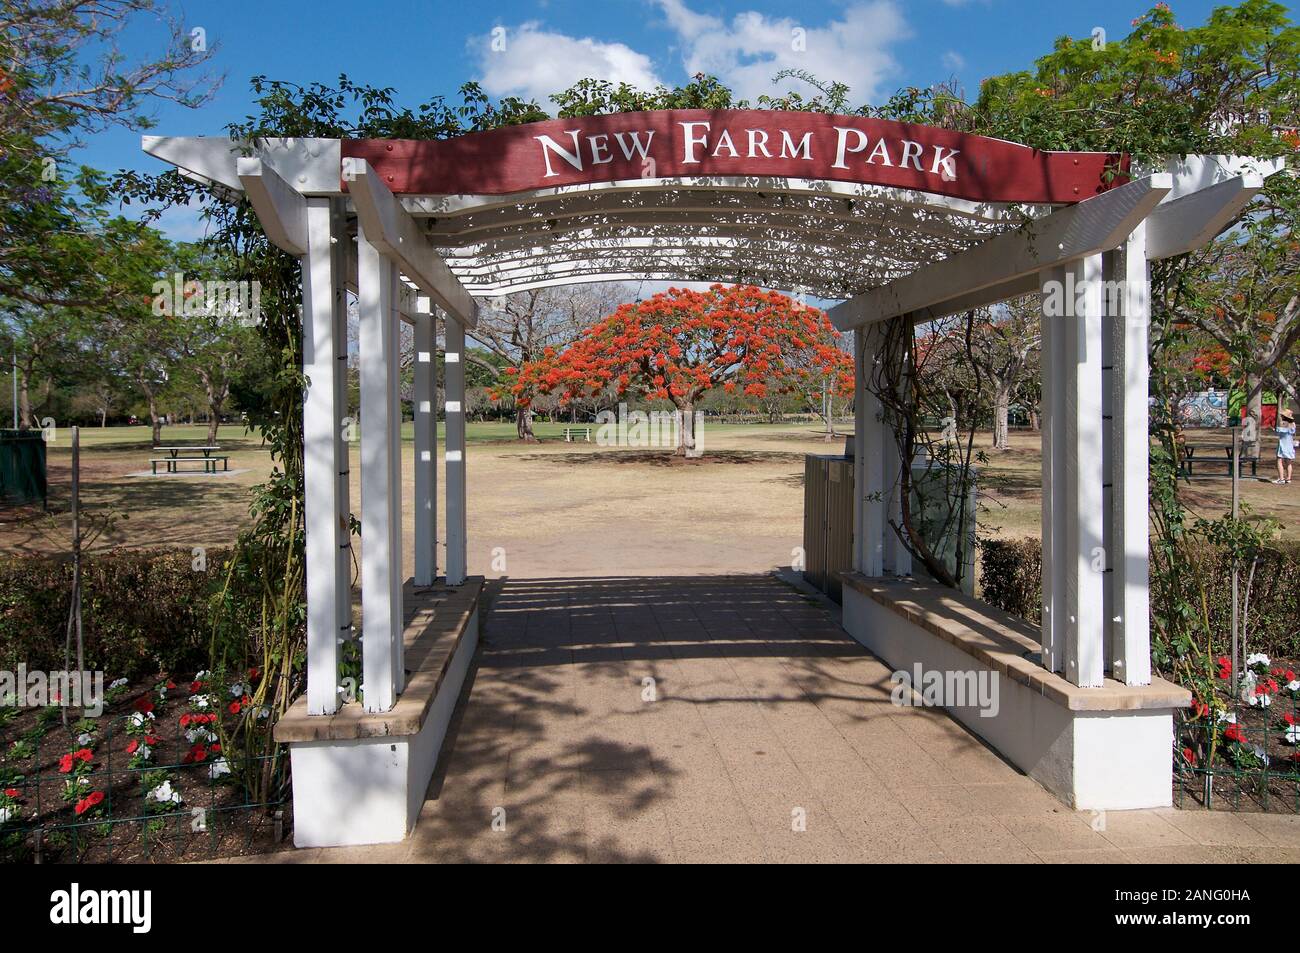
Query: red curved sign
740	142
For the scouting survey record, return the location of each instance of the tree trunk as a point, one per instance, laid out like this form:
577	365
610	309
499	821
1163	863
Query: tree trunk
524	423
1001	410
1254	414
1034	424
686	432
155	422
25	420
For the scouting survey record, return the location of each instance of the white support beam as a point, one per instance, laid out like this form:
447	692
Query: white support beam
395	232
425	391
1130	601
311	166
1184	224
454	384
859	450
381	479
326	459
1053	520
281	210
1089	228
872	488
1079	423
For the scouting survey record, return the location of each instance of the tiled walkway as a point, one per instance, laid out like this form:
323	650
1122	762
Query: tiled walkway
703	719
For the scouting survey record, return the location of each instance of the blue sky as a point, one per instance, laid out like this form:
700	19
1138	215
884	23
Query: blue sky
425	48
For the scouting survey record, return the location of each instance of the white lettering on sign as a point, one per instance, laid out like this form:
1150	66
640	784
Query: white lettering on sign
699	140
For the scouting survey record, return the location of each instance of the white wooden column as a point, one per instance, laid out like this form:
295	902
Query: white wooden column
1129	602
454	371
381	479
1054	478
859	448
870	490
1080	425
325	464
425	396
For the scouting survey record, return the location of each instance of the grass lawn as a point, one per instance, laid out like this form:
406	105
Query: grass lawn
557	508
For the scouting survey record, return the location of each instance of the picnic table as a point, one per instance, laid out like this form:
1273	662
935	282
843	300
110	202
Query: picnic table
1189	454
211	455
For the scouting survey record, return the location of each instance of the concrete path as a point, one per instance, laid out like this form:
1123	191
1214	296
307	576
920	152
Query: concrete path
730	719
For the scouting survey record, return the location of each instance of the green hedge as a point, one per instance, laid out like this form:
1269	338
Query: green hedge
142	611
1011	579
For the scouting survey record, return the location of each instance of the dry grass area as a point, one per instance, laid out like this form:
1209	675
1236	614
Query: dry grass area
572	509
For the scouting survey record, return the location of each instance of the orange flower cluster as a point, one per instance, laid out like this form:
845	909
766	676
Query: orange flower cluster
679	344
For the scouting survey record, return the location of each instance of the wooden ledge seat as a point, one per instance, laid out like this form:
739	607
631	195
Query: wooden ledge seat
1006	644
438	618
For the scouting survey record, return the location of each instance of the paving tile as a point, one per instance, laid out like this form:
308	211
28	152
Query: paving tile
1140	829
1215	828
1052	831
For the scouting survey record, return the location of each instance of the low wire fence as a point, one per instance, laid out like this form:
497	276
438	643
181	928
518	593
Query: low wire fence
1240	749
148	784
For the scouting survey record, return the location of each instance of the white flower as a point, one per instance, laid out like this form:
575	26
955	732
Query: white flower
1293	686
200	676
236	690
199	701
1260	701
1292	735
139	719
199	734
218	768
143	752
1258	658
85	739
116	683
8	813
164	794
1226	716
1259	753
263	713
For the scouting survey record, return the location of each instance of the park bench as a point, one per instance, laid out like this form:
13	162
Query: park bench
571	433
210	457
1189	454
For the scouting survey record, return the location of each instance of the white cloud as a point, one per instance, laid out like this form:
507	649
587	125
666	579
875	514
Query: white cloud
747	52
953	61
534	63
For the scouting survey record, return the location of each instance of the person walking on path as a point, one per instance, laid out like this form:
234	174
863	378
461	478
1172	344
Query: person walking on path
1285	447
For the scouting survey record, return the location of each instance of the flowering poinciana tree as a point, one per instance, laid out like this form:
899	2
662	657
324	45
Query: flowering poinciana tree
680	344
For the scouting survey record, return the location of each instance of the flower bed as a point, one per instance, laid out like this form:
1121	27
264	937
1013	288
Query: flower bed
147	781
1239	749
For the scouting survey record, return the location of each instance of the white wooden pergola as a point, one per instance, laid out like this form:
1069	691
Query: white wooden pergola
925	223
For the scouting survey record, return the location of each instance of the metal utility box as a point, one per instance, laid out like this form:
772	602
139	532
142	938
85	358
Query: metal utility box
827	521
22	467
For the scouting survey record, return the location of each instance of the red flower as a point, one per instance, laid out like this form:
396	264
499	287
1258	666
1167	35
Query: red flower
133	747
143	705
65	764
151	740
196	686
1234	733
1189	756
170	684
254	674
234	707
93	799
12	792
1225	666
1200	707
195	754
